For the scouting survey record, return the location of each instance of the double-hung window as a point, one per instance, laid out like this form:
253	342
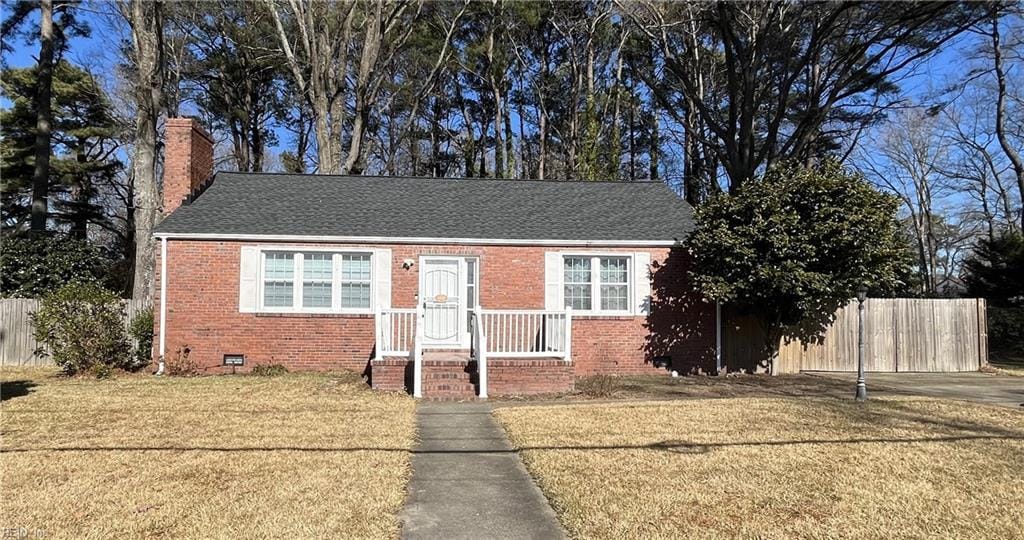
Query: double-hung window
596	283
278	279
315	281
355	281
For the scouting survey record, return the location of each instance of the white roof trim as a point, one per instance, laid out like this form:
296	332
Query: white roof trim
414	240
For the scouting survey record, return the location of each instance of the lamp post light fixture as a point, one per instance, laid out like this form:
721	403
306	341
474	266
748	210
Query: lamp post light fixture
862	389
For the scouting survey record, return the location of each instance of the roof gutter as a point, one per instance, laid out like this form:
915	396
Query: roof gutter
414	240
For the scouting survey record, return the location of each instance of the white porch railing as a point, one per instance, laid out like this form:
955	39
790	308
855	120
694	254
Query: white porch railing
503	333
396	331
527	333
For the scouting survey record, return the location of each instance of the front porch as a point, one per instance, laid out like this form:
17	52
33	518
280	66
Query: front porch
511	352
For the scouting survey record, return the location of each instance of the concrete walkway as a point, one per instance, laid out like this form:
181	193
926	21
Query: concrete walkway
980	387
468	483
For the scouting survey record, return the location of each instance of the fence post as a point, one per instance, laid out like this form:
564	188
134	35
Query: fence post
982	308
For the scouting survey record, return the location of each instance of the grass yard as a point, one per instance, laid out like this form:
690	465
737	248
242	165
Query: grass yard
228	456
777	467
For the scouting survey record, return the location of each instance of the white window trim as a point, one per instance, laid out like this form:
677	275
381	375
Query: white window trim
298	261
595	281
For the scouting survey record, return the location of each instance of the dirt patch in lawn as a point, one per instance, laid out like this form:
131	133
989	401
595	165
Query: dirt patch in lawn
776	467
299	455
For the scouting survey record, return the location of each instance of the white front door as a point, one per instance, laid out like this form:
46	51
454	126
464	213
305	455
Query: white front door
442	280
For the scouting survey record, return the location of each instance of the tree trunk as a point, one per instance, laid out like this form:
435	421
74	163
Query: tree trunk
44	89
655	144
147	38
1004	141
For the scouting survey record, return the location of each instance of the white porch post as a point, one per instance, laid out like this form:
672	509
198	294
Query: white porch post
481	361
568	333
377	326
417	353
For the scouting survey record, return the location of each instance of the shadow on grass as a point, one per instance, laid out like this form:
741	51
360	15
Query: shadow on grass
13	389
673	446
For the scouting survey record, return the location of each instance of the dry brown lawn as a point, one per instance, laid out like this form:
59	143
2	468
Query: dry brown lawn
296	456
777	467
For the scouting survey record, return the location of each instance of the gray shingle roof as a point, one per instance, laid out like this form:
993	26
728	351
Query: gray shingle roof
367	206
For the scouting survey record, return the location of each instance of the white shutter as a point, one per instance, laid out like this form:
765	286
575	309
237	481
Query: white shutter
641	283
553	280
381	278
248	279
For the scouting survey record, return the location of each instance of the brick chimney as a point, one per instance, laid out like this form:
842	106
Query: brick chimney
188	161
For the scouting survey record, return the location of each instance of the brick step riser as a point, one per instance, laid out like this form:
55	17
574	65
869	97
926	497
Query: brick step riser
465	389
449	376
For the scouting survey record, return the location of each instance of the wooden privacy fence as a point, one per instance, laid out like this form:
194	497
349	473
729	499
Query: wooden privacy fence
17	341
900	335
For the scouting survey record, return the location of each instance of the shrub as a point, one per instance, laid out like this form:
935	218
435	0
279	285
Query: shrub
269	370
1006	329
34	267
82	324
141	330
598	386
181	364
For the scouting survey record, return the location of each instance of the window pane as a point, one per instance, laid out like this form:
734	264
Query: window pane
316	294
614	297
577	296
279	266
355	295
577	270
277	294
355	268
613	270
316	266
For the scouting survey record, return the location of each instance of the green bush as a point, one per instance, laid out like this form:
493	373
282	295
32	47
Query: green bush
33	267
1006	329
269	370
82	324
141	330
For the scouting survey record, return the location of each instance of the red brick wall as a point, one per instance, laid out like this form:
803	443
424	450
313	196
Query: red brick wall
390	374
505	376
188	161
202	312
521	376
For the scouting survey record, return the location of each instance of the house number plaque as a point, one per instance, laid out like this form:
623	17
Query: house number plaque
441	298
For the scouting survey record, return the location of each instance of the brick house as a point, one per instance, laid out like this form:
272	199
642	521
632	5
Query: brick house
440	287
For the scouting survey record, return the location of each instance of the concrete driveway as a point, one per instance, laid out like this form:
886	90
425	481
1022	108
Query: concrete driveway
1004	390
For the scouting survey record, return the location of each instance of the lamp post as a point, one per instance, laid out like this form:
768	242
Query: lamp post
862	389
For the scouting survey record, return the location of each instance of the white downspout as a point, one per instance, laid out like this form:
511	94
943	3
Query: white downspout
163	304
